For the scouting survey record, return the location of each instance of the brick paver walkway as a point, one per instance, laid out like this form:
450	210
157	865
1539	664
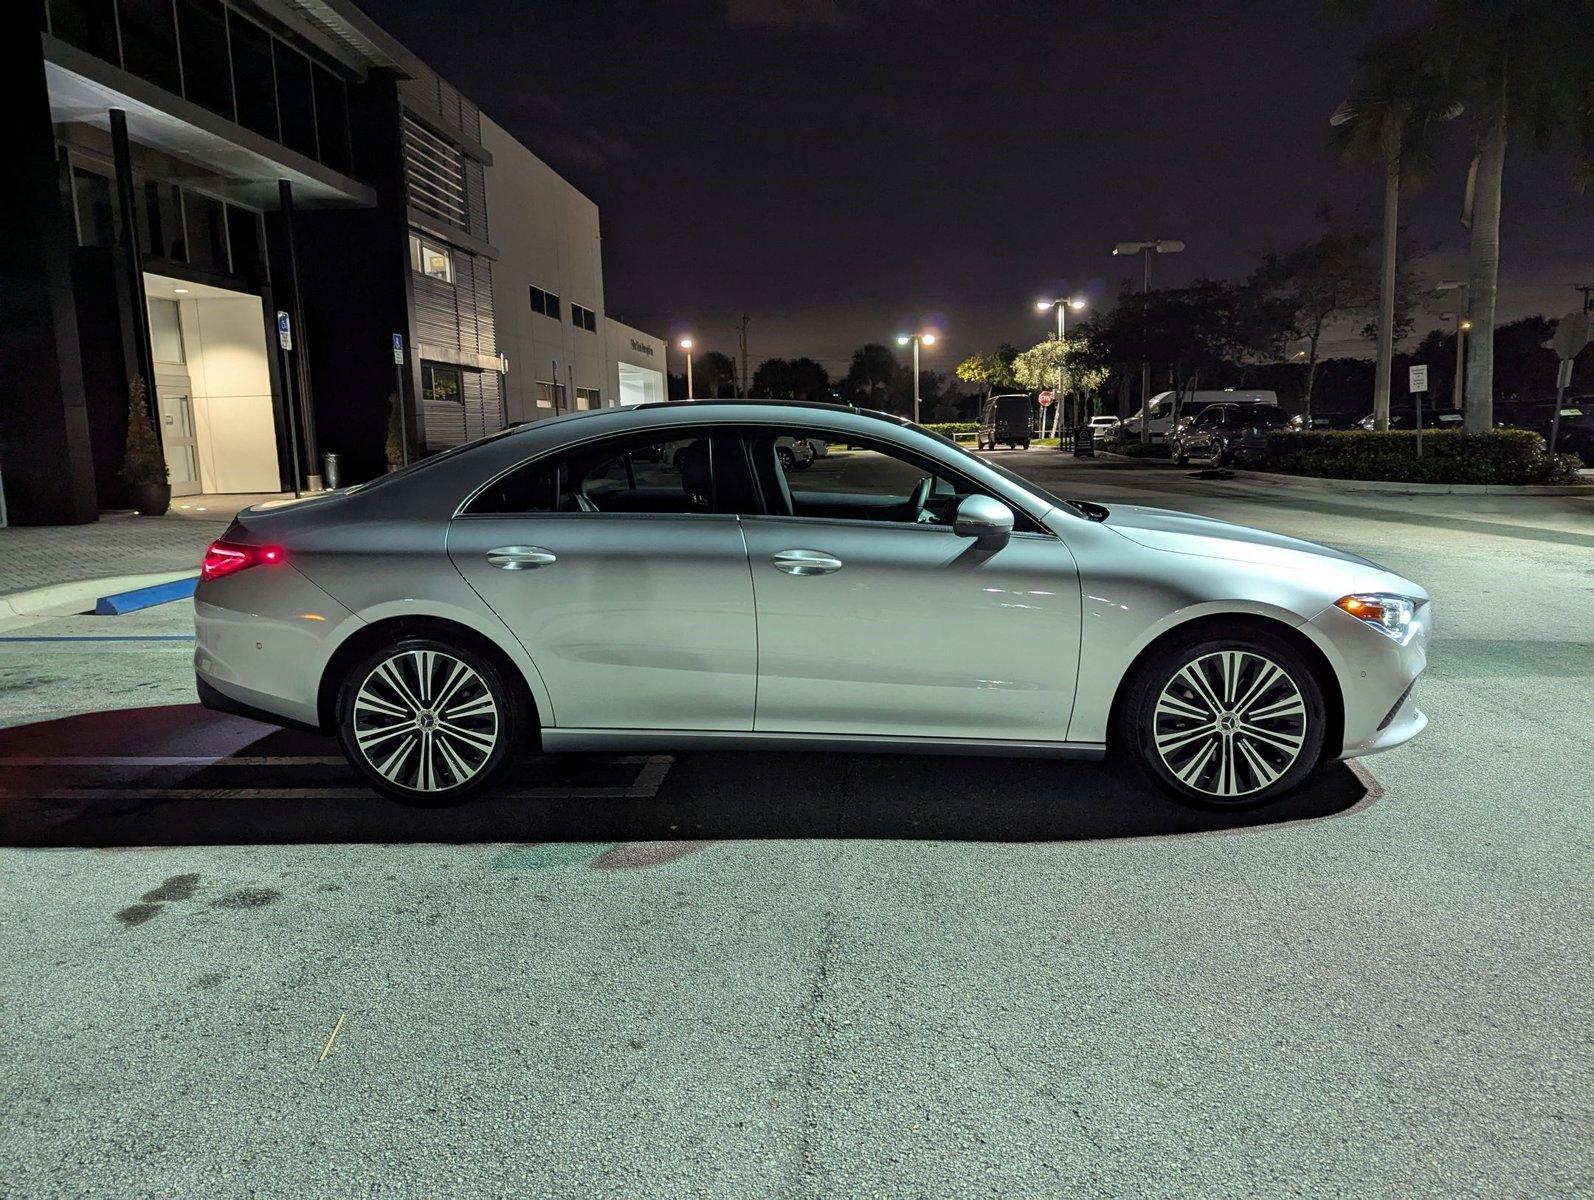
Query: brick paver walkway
38	557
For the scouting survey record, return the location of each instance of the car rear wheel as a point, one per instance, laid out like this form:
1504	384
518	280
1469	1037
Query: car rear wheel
427	722
1225	722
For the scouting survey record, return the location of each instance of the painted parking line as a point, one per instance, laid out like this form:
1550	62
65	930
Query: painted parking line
99	637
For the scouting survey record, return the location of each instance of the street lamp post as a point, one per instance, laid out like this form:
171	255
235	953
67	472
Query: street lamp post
686	344
1146	250
1062	306
1458	392
904	339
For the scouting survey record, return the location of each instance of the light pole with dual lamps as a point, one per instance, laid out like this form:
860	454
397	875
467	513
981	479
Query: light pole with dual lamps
1062	306
904	339
1146	250
686	344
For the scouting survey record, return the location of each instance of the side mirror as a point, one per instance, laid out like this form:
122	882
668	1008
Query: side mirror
989	522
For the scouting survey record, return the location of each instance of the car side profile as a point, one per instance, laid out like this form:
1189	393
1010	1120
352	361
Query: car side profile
567	585
1227	433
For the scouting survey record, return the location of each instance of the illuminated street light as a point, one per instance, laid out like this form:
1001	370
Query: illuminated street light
914	339
686	344
1464	290
1062	305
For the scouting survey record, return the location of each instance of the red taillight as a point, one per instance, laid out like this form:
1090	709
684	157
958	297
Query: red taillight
224	558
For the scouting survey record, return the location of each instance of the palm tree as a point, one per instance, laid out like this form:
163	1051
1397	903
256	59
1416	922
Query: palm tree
1391	117
1524	69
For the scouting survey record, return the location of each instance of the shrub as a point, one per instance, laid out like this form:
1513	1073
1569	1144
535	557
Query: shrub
952	428
1511	456
143	462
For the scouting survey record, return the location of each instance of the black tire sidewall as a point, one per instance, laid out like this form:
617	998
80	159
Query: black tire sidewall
505	696
1136	723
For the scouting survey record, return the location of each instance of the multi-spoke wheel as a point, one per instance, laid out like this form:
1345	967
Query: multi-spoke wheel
1226	721
426	722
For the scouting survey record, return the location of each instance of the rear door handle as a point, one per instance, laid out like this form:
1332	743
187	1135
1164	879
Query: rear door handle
806	562
520	558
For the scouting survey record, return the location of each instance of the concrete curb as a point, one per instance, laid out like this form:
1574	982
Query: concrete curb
1316	483
80	595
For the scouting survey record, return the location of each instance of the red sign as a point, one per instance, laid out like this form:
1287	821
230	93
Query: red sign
1046	399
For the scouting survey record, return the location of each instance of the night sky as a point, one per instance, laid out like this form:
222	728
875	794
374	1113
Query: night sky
846	171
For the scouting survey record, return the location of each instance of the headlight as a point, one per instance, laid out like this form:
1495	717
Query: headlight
1393	615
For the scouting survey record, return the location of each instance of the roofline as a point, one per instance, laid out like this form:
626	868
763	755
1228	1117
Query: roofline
811	405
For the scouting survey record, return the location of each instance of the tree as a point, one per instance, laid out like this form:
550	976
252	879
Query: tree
1325	280
873	372
1398	102
713	376
992	370
1523	68
791	379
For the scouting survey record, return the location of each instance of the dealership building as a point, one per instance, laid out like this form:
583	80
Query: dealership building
280	219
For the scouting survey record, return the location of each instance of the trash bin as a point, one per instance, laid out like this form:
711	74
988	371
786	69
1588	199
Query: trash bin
329	471
1084	441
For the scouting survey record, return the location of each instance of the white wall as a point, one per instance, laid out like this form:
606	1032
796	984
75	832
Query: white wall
637	365
225	344
547	235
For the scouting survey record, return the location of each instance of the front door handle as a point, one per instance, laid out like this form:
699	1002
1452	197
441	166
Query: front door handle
520	558
806	562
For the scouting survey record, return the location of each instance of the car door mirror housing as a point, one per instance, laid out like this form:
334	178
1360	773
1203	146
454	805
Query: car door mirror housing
989	522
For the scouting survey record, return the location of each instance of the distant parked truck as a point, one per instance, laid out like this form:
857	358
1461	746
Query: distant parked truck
1162	406
1008	419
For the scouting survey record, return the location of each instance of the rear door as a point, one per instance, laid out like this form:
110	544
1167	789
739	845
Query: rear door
615	568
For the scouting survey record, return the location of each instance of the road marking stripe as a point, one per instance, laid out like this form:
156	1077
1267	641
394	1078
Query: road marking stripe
101	637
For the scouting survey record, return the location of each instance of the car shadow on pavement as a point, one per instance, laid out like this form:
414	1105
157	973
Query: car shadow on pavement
180	775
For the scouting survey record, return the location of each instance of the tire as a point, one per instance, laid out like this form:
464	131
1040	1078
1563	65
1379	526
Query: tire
785	457
1181	459
1023	446
1163	708
441	766
1220	454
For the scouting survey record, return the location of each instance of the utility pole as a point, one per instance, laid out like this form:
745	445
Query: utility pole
742	390
1588	295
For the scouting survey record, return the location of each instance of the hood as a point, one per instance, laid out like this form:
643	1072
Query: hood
1182	533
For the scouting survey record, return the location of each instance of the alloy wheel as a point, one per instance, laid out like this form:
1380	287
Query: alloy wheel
1230	723
425	721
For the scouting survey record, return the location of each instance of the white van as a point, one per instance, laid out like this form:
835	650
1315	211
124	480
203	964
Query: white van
1162	408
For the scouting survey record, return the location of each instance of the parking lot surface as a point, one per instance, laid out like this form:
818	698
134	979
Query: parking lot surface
224	968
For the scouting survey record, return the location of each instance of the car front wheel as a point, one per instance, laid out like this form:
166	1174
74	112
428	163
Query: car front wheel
426	722
1225	721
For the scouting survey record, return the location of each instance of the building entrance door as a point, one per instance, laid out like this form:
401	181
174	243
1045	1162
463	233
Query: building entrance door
176	406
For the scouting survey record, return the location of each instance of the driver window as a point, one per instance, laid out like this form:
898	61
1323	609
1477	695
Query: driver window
807	473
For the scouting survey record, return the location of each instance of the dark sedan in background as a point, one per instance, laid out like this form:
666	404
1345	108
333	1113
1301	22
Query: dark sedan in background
1228	433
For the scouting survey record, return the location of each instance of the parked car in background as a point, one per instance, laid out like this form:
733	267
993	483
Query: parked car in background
1007	420
1104	425
1227	433
1405	417
1577	422
1163	404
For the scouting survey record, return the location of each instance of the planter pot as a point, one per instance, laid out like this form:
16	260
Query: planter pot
150	499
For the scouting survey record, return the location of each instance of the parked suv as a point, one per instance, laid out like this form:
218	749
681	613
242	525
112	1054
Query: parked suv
1009	420
1227	433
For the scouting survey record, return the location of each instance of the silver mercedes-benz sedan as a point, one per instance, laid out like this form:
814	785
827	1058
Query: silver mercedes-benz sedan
653	577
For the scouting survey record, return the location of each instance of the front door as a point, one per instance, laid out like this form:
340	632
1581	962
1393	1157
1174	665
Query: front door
875	619
178	437
626	588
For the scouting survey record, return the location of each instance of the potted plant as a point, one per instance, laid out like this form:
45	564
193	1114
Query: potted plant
143	462
395	433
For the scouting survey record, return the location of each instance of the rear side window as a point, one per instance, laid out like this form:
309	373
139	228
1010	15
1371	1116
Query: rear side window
690	471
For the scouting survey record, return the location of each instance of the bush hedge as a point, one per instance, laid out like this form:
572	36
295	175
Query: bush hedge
951	428
1512	456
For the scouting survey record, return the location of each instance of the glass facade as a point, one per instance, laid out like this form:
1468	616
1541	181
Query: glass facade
216	56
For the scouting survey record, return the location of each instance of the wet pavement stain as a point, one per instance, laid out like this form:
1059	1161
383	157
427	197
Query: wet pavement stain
178	887
137	914
248	898
213	979
631	855
540	858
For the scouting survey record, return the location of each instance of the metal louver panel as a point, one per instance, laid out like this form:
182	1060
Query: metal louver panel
435	175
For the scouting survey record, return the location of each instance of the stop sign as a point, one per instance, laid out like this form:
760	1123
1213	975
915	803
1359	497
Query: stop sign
1046	399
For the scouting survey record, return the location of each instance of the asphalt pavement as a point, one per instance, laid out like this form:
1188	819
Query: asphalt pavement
226	970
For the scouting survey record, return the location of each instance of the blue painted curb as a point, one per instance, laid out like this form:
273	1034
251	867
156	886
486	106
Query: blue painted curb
161	593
